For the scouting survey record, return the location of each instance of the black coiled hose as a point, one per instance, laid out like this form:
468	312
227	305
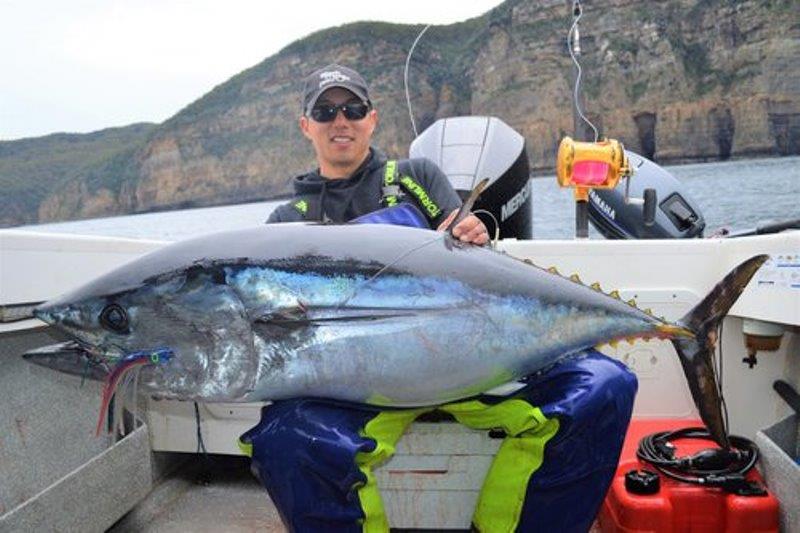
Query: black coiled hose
712	467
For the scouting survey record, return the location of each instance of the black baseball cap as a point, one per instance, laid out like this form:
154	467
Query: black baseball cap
333	75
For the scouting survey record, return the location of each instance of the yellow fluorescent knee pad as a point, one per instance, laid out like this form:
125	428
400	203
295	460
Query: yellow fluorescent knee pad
521	454
385	429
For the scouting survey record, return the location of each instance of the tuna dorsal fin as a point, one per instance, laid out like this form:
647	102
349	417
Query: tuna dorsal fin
466	207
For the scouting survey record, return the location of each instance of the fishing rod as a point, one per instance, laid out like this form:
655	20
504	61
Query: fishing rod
597	164
416	134
761	229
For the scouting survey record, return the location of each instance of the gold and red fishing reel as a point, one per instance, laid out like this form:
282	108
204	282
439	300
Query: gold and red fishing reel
589	165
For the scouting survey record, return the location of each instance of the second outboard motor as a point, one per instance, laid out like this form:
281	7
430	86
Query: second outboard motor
676	215
469	149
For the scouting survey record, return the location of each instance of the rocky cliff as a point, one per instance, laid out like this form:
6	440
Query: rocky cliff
676	81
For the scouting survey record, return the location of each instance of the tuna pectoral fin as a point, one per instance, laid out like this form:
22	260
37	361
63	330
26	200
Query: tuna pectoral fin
303	316
697	354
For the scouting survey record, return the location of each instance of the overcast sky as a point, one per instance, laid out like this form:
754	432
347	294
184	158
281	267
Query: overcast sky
84	65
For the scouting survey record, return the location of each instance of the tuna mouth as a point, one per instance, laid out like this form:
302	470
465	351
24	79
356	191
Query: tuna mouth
44	312
71	357
58	317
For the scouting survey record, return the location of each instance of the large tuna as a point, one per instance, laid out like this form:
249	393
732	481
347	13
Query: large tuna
382	315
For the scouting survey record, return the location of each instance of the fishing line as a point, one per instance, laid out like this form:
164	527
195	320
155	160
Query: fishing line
411	113
389	265
722	402
113	381
112	416
573	38
124	405
127	395
85	371
201	446
496	225
405	78
119	406
136	397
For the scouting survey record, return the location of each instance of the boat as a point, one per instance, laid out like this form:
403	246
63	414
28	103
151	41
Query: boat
176	465
59	476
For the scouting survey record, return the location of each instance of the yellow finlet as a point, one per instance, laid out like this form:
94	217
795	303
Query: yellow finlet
575	278
596	286
379	399
554	270
613	343
671	330
648	311
615	294
632	302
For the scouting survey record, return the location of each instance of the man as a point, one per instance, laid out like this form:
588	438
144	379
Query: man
564	428
339	120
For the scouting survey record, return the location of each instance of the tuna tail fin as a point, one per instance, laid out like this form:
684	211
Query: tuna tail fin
697	354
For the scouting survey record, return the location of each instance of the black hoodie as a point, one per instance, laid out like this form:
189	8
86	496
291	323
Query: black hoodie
340	200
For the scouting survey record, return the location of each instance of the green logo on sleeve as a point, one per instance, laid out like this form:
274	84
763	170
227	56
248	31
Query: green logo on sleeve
302	206
421	195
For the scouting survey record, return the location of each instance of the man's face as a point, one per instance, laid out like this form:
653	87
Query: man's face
341	145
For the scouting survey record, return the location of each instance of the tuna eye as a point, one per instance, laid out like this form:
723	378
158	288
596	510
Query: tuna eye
114	318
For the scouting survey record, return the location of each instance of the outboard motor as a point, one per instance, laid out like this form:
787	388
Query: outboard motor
469	149
677	216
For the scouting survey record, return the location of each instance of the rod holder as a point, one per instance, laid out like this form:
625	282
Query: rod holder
582	219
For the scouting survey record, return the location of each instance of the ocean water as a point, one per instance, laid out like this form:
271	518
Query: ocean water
736	195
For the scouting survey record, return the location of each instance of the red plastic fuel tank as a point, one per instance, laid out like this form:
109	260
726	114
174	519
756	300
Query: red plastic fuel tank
677	506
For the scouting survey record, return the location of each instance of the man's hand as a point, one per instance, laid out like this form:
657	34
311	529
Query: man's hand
471	229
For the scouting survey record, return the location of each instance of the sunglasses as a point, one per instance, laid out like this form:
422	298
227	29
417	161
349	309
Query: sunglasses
328	112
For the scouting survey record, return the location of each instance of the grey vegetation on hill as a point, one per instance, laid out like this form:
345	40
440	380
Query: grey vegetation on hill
694	80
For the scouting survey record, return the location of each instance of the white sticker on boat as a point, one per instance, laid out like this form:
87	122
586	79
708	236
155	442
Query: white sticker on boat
781	271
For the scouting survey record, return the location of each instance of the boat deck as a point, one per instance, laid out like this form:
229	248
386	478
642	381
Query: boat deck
206	494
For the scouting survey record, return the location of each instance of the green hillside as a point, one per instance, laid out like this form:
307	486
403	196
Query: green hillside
31	169
697	80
